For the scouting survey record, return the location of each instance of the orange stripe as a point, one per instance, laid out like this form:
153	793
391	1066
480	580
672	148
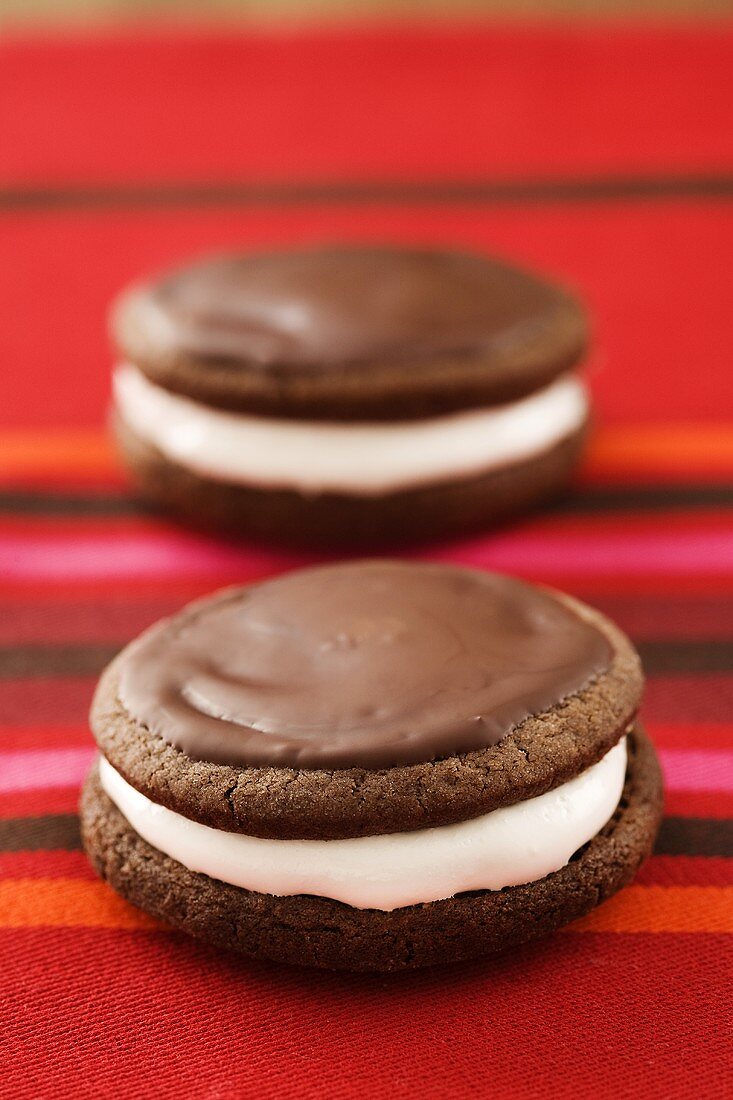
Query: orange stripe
663	909
62	902
686	450
56	455
689	451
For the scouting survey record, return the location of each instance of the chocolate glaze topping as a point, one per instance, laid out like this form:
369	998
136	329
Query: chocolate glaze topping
367	664
318	308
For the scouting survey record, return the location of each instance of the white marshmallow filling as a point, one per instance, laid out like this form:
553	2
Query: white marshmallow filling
360	459
508	847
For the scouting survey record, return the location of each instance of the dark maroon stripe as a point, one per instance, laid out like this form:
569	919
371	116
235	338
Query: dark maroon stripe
24	661
156	195
92	503
643	498
592	500
664	657
695	836
679	836
660	657
32	834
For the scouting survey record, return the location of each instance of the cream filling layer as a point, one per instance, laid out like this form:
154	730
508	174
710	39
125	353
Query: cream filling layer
508	847
362	459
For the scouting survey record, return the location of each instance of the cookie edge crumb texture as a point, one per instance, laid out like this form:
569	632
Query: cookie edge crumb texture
319	932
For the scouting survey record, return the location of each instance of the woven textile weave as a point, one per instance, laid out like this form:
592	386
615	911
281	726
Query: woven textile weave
601	156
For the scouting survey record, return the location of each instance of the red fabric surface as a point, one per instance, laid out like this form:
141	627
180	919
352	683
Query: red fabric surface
617	148
439	102
175	1018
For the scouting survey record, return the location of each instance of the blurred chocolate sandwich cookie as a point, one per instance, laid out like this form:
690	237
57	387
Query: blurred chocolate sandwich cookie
349	395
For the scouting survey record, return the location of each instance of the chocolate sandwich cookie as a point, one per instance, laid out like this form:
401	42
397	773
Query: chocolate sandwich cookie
349	395
372	766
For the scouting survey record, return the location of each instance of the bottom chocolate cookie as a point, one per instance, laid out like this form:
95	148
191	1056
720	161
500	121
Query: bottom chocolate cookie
315	931
334	519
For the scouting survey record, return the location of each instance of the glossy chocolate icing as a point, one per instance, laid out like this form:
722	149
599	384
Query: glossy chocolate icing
320	308
366	664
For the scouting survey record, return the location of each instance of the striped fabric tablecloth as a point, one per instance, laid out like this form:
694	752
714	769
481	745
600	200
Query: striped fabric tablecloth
604	156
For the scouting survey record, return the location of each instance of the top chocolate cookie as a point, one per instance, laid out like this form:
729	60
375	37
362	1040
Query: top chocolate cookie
363	698
350	333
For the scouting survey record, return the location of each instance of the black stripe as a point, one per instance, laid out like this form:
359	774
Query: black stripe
679	836
33	834
667	657
613	189
661	657
580	501
15	502
695	836
644	498
20	661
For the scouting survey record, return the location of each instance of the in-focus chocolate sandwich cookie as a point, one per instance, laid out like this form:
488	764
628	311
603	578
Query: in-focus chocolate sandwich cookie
349	395
372	766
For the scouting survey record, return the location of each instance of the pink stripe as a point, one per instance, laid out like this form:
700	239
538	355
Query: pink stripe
690	552
688	770
141	556
151	556
43	768
684	770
